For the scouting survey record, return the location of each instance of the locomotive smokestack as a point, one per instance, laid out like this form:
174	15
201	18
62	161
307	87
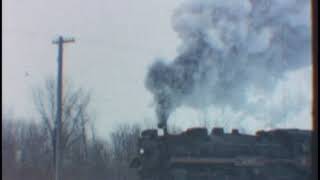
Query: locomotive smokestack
163	125
162	111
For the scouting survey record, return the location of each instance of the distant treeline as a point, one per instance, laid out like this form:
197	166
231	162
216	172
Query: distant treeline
27	153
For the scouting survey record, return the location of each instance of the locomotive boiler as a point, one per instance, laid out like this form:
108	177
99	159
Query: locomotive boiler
196	154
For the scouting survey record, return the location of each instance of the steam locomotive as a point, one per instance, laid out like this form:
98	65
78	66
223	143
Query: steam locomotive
279	154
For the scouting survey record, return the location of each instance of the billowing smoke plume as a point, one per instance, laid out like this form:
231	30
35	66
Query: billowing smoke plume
230	48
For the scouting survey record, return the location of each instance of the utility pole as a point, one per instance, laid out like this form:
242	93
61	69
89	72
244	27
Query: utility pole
60	41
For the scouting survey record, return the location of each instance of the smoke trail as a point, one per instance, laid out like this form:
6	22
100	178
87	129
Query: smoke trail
230	48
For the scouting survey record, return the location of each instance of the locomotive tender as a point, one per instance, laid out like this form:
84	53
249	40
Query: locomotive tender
279	154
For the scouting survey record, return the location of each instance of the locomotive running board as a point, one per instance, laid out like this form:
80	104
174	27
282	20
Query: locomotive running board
238	161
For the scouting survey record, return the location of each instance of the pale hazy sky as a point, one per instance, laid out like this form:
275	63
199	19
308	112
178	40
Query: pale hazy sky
116	41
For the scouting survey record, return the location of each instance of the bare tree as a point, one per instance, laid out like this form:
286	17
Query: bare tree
124	148
9	165
32	149
75	115
23	149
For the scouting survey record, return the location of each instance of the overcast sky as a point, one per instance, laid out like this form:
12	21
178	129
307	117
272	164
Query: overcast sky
116	41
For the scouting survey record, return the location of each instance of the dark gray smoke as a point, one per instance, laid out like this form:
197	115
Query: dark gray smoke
230	48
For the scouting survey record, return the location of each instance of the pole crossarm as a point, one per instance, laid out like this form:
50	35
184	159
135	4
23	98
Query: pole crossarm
63	40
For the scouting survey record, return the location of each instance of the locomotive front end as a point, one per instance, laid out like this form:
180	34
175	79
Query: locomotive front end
149	161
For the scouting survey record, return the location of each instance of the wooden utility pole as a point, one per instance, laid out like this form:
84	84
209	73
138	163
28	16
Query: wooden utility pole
60	41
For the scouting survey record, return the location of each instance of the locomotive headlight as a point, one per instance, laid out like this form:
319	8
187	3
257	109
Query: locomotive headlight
141	151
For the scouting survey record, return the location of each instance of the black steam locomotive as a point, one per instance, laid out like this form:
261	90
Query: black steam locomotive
280	154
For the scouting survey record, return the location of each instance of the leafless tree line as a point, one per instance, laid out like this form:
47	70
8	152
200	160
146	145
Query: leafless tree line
28	146
27	154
